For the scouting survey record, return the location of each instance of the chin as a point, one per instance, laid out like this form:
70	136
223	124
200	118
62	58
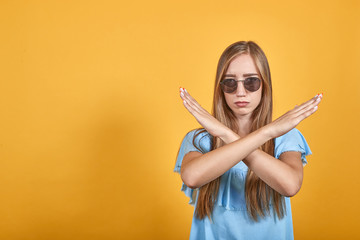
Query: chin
242	112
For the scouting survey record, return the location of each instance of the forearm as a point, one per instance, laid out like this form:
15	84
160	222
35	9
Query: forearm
215	163
277	174
228	136
280	176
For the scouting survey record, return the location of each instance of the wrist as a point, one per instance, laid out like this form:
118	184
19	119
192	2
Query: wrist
228	136
266	132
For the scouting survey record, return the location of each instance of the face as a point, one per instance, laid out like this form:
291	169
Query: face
242	102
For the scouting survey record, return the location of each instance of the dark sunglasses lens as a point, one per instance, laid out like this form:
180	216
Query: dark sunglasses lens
229	85
252	84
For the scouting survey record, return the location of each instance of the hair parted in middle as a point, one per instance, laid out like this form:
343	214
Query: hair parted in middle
258	194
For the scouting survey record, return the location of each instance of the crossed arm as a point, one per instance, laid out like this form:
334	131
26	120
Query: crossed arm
284	176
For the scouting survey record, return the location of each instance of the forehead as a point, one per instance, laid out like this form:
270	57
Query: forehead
242	64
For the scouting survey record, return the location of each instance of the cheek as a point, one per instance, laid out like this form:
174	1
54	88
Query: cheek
257	97
228	100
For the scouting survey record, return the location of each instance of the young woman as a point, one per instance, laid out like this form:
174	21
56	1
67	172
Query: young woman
240	169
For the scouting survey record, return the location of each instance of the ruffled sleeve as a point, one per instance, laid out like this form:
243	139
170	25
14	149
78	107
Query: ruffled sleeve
203	142
292	141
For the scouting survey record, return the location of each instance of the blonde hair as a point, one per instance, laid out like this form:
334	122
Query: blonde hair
257	193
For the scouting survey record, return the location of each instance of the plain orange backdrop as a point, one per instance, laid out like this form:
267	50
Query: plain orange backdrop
91	118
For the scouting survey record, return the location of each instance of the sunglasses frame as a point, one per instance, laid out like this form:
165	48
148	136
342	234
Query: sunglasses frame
222	84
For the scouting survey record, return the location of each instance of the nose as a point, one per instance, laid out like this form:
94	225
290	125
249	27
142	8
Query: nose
240	91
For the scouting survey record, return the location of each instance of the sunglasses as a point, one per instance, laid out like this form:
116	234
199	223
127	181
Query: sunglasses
229	85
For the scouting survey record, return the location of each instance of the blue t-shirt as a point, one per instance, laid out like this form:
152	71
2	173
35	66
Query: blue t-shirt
230	219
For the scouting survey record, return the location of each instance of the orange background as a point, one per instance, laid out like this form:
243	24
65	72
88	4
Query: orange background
91	120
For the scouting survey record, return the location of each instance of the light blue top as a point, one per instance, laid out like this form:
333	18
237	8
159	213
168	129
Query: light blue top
230	219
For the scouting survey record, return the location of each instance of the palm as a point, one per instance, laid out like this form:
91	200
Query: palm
211	124
292	118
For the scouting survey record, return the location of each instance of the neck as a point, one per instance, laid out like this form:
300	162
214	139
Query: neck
244	124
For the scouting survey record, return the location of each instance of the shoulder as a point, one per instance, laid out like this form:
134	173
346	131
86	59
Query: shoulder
293	134
199	138
196	140
198	134
292	141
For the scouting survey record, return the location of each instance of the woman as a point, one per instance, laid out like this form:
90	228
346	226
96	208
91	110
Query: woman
242	167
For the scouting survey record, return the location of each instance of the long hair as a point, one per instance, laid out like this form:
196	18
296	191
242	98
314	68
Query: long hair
258	194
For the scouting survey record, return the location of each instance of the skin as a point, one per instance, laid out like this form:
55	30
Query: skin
284	176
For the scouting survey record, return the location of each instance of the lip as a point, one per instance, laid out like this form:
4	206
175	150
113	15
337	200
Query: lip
241	103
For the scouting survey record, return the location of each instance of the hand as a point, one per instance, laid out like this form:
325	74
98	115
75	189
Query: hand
211	124
293	117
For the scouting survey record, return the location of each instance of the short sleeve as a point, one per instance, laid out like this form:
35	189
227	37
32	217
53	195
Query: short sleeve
292	141
203	142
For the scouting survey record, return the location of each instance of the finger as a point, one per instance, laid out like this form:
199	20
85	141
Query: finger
185	96
191	101
190	108
182	95
308	107
305	104
307	113
191	105
189	98
185	100
312	101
